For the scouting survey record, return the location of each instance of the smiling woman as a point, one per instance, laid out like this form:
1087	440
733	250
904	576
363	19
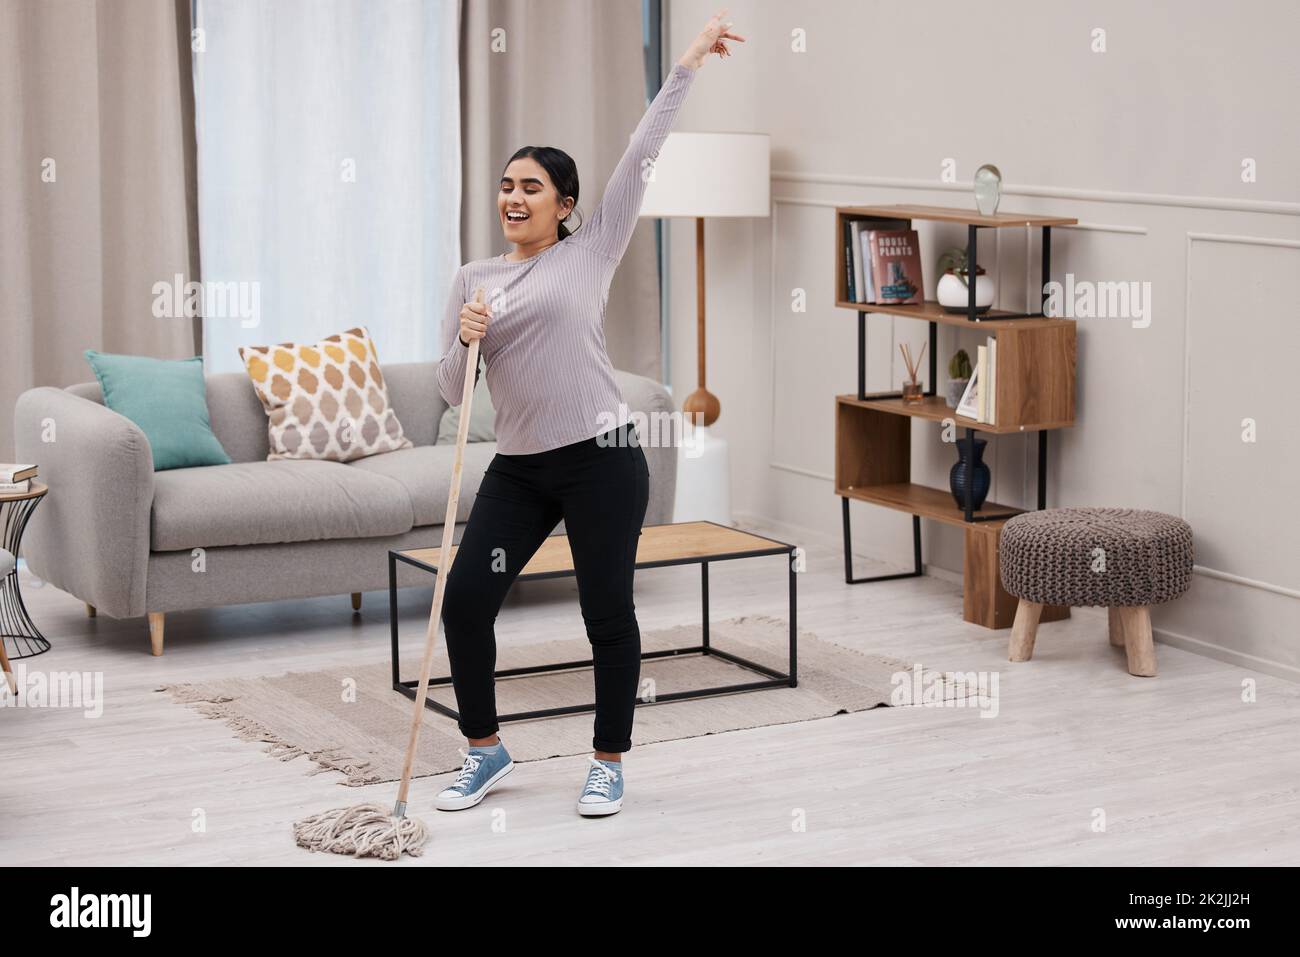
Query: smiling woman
566	448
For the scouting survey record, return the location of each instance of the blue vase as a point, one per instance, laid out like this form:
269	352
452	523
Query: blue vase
979	475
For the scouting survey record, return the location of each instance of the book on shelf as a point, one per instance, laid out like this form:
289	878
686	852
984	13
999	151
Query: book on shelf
15	488
978	402
969	404
991	383
850	289
896	266
15	472
861	290
859	284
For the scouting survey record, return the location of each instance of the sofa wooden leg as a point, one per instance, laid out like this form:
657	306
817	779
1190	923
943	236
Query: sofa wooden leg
90	610
156	631
356	601
1116	624
1138	642
1024	629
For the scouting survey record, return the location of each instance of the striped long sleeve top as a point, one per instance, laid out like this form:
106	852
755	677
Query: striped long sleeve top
547	369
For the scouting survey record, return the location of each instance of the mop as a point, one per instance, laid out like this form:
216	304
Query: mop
369	830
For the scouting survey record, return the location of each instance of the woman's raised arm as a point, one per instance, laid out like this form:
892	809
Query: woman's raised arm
610	228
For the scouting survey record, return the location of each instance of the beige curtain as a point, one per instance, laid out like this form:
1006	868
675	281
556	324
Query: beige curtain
571	75
97	189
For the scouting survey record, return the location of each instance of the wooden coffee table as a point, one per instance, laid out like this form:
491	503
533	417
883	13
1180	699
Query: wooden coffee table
683	543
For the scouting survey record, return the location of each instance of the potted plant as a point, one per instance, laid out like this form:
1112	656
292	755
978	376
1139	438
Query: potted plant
959	370
953	290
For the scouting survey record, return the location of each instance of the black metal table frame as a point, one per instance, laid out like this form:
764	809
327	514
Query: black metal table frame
774	677
16	625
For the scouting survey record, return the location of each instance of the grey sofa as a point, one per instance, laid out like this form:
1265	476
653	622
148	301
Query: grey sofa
123	538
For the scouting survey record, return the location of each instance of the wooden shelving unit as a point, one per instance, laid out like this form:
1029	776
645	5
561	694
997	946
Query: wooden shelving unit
1035	381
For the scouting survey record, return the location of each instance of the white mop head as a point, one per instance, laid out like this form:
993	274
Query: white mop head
364	830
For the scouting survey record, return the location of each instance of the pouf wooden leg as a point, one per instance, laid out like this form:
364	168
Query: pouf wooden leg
1116	628
356	601
1024	630
1136	623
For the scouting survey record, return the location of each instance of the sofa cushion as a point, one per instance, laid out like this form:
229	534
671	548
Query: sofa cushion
425	473
285	500
167	399
327	400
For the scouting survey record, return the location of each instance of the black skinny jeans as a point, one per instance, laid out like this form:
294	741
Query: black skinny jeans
601	492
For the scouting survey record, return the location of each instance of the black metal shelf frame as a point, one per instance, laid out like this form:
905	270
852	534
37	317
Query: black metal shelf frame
973	317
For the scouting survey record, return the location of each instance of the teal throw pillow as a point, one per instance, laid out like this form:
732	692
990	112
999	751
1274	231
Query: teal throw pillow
168	400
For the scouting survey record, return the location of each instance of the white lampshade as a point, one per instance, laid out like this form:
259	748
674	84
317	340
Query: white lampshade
711	174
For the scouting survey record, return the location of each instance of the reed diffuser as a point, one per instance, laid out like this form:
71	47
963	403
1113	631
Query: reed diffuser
912	384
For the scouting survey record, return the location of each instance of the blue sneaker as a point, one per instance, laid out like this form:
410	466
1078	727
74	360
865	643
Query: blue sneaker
482	769
603	793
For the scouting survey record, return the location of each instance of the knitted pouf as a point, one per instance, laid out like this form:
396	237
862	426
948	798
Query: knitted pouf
1119	558
1110	557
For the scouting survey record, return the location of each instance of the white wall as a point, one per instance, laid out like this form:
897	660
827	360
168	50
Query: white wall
1144	144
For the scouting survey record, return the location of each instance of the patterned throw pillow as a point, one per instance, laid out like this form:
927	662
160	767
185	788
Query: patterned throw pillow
324	401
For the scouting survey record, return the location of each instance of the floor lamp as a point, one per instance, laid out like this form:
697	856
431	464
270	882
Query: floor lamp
706	175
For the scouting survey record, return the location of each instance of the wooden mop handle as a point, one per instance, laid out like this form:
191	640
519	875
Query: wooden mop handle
444	567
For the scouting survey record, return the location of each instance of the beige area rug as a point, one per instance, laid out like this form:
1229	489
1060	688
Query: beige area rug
364	735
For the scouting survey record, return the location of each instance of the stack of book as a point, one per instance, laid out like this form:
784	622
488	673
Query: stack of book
882	262
978	401
16	479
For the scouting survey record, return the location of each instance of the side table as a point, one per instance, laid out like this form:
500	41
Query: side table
19	637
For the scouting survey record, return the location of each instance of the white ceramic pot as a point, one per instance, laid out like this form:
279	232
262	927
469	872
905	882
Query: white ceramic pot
953	293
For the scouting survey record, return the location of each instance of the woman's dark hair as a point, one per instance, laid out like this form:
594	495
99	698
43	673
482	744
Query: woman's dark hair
560	168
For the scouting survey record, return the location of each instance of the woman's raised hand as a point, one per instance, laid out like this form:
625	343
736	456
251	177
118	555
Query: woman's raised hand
712	39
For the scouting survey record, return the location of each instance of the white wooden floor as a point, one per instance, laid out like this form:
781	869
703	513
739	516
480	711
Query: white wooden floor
1181	769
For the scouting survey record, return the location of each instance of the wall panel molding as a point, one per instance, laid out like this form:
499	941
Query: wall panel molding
1053	192
1192	239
